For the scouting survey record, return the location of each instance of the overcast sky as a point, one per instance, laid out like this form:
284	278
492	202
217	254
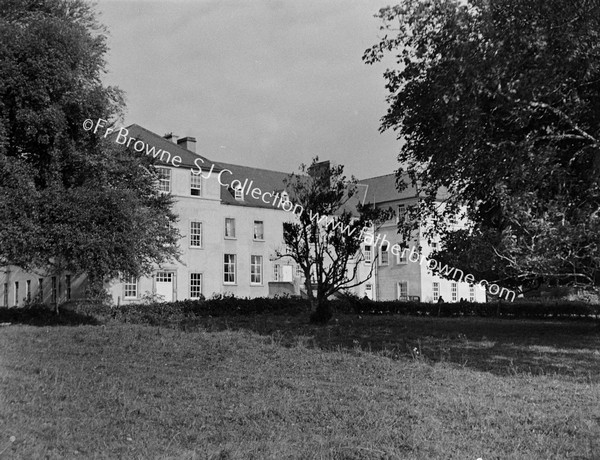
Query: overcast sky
263	83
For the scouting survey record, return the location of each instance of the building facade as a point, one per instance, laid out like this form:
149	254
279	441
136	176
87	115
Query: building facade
231	220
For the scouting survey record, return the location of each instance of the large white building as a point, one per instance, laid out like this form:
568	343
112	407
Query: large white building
231	221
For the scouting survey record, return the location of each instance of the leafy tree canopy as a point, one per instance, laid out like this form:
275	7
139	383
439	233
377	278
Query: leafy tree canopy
498	102
69	200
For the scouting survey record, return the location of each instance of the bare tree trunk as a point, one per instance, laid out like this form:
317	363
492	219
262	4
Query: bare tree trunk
322	313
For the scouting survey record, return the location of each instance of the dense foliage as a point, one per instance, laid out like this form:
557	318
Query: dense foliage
498	103
69	199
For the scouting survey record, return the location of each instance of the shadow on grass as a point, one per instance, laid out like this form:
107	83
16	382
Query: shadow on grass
45	316
500	346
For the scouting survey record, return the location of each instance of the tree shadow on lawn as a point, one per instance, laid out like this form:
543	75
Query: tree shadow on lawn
501	346
45	316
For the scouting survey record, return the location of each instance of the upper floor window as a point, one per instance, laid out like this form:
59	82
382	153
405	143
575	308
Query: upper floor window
229	227
195	184
401	214
367	253
238	193
164	179
259	230
401	255
385	255
196	234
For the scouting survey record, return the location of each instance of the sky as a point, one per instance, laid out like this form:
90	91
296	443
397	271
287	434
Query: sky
262	83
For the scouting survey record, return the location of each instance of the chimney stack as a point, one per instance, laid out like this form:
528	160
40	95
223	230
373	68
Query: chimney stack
171	137
188	143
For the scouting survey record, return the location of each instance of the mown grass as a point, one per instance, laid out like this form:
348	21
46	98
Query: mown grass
565	349
130	391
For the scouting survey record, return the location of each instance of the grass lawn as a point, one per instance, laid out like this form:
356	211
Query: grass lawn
268	387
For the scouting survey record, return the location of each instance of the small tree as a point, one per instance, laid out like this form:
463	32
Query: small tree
325	239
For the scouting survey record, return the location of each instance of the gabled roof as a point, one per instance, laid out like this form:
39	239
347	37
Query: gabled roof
265	180
382	189
158	142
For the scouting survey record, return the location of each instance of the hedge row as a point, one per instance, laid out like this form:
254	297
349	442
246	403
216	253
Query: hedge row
175	312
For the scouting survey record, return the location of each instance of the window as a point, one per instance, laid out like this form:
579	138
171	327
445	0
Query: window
229	227
403	290
401	214
239	193
401	256
5	301
299	271
196	234
229	269
313	274
454	290
367	253
195	285
195	184
164	277
28	290
434	246
259	228
436	291
385	255
16	293
471	293
164	179
276	272
68	287
40	293
131	288
256	269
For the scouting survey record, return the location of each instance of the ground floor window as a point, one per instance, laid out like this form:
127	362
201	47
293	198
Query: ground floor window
16	293
68	287
471	293
436	291
5	295
454	291
54	297
195	285
402	290
229	269
40	292
276	272
130	287
256	269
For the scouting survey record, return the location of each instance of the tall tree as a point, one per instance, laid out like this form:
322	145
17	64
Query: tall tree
69	199
498	102
325	240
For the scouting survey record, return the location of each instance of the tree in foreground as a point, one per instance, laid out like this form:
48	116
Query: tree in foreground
499	104
325	239
69	199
